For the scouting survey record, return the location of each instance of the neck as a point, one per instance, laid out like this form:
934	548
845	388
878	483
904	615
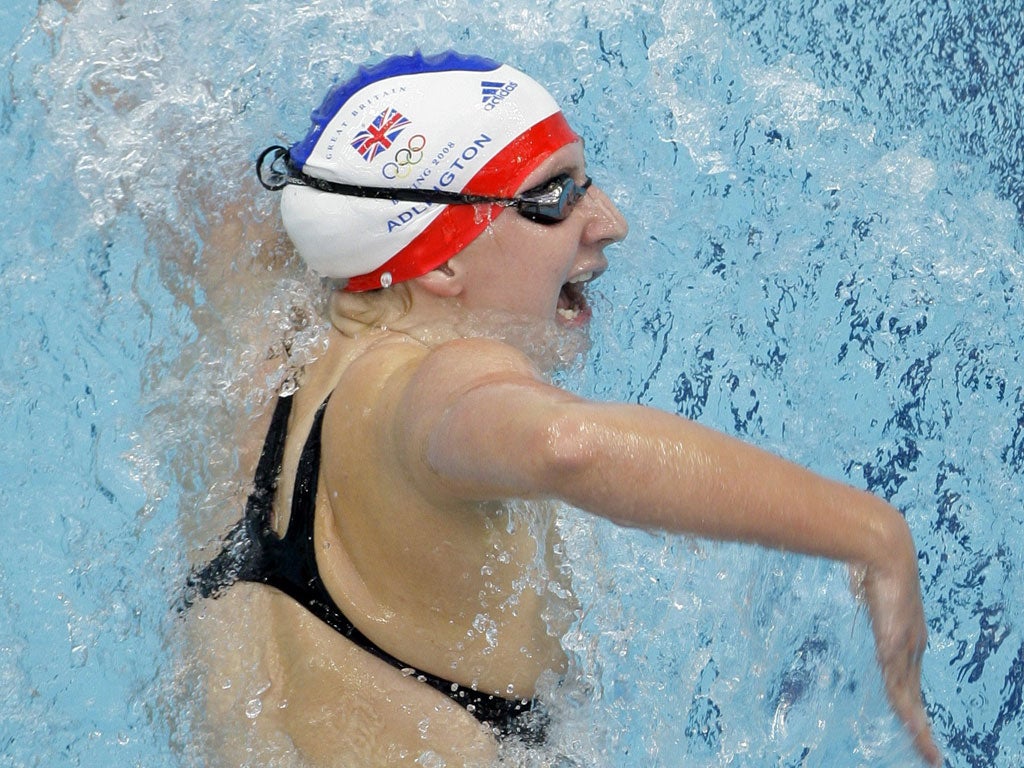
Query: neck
401	309
432	320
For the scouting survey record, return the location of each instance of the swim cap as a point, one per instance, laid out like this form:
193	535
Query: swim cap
449	122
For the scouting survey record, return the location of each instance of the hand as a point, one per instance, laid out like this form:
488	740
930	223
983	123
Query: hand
891	590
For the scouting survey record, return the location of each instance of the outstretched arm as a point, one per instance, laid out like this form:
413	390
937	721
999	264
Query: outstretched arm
488	427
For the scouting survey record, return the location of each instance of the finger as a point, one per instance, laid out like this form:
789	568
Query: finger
927	748
909	707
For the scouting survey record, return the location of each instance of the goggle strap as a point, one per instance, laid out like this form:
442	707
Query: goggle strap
278	179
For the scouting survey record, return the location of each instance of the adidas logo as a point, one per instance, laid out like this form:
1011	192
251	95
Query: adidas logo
494	92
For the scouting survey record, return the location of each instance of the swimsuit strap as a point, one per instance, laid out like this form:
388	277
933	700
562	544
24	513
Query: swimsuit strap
253	552
242	556
290	566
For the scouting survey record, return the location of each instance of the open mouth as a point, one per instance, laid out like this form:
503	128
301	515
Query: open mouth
572	304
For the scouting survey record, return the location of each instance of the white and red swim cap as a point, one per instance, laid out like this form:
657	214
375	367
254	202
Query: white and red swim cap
450	122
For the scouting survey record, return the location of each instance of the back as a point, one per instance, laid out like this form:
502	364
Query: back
447	586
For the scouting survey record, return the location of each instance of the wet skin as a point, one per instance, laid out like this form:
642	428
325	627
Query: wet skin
431	434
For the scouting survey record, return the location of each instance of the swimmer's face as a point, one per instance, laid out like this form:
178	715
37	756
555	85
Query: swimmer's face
539	270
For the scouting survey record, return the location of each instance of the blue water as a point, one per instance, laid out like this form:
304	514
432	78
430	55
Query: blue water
826	259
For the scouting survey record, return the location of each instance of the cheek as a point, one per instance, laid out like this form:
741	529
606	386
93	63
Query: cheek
542	256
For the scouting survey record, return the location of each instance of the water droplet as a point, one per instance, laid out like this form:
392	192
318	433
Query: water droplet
431	759
79	655
253	708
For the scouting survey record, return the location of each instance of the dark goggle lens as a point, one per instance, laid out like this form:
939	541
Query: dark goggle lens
553	200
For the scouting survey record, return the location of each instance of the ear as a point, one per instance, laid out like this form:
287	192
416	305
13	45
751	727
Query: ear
445	281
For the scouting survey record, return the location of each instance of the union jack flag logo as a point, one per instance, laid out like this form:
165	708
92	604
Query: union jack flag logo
379	134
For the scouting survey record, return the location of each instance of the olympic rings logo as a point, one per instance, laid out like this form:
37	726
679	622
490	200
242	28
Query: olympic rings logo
405	158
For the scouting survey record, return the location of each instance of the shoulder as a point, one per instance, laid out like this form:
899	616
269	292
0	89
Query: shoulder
399	369
396	388
460	365
396	394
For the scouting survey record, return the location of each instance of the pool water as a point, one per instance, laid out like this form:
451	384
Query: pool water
825	259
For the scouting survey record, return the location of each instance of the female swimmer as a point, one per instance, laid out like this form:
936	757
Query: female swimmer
378	575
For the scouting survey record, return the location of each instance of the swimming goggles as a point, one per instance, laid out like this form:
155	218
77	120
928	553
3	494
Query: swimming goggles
548	203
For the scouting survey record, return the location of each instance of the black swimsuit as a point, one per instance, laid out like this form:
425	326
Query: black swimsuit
253	552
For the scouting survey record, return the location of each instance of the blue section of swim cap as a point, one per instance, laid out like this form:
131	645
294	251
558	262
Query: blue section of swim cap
394	66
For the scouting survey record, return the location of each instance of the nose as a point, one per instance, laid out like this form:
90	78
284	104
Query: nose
605	224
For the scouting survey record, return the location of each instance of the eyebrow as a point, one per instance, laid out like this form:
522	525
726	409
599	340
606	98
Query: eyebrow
570	167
